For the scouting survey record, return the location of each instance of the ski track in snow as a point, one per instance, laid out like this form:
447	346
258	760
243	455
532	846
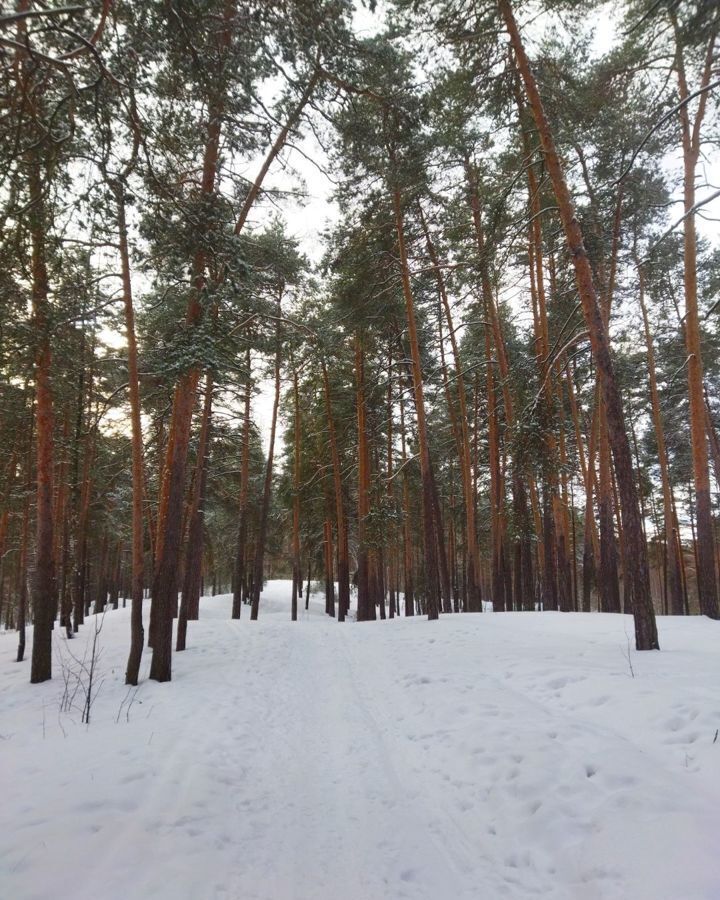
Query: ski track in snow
480	757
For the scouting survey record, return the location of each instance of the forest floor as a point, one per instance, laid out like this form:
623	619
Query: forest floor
476	758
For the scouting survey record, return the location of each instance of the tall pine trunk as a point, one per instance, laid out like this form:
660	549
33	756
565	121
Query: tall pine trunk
463	436
340	522
408	582
639	575
672	537
170	510
192	577
691	143
258	565
137	632
365	600
241	554
43	588
296	562
430	532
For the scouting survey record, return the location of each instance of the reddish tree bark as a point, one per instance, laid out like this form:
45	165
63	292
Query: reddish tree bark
639	576
44	597
192	579
170	512
463	436
430	530
672	545
691	143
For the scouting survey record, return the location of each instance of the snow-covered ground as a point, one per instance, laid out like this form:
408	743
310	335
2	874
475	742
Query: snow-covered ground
483	757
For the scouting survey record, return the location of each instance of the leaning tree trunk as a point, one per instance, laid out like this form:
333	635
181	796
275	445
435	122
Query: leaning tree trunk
639	575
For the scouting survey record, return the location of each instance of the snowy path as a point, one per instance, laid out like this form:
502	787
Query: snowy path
508	756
